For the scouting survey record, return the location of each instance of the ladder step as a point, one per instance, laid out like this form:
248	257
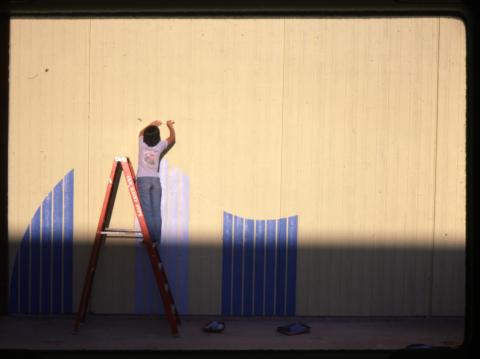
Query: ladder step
122	233
122	230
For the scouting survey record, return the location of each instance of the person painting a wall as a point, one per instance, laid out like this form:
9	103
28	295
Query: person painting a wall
150	149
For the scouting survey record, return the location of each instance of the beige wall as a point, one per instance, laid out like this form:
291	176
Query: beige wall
355	125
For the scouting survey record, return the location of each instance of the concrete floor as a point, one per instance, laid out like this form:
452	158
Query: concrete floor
122	332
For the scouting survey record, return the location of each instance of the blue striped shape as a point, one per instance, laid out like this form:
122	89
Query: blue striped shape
291	265
46	253
237	265
57	248
140	281
182	255
13	305
152	294
281	266
248	268
170	248
259	285
67	242
35	263
259	266
41	280
25	272
270	268
173	250
227	262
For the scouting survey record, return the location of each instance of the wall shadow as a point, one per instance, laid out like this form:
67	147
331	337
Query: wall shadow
331	281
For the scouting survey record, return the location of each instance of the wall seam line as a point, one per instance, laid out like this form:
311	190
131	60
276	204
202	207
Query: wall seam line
435	157
88	117
282	128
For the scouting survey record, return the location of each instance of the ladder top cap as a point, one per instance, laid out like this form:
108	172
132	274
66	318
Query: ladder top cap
121	159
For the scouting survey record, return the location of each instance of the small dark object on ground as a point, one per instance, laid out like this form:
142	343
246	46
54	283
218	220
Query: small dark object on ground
214	327
294	328
426	347
418	346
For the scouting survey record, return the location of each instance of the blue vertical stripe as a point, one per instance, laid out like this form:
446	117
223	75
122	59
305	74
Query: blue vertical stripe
35	264
237	266
227	263
259	266
157	304
270	269
291	264
46	253
57	248
13	299
170	244
151	288
67	242
173	250
164	250
163	201
248	268
139	278
281	266
25	272
183	212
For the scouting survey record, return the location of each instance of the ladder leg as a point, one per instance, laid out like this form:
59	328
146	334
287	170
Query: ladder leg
87	285
157	266
103	221
169	292
158	271
165	292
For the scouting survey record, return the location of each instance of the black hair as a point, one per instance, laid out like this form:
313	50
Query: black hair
151	135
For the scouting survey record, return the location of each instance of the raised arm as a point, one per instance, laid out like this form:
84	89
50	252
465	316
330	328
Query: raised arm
171	138
154	123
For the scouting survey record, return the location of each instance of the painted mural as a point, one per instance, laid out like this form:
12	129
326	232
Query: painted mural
328	121
41	280
259	266
173	249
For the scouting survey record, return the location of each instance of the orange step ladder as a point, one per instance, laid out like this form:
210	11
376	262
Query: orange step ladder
123	164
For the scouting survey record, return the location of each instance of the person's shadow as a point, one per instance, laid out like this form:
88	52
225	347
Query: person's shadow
166	150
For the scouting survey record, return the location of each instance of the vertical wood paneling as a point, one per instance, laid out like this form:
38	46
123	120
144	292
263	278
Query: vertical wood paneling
232	137
448	294
48	120
331	119
357	161
46	253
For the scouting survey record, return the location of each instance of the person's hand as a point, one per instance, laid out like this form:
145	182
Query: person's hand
170	123
156	123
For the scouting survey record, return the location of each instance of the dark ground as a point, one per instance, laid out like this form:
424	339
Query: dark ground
128	332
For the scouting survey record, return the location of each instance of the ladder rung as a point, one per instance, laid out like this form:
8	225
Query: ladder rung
122	230
122	234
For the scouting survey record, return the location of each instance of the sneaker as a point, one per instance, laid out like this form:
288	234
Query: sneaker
214	327
293	329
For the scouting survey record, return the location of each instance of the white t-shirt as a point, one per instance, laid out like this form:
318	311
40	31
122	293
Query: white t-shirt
148	158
